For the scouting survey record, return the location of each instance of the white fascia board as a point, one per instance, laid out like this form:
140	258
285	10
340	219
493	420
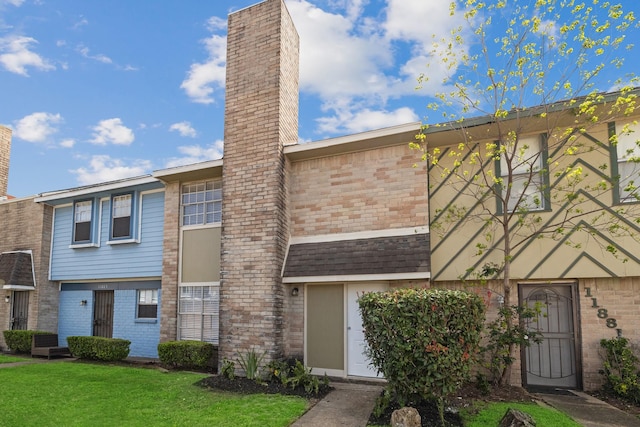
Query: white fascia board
372	234
358	277
83	191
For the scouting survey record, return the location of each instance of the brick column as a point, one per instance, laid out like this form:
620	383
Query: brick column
261	114
5	155
170	258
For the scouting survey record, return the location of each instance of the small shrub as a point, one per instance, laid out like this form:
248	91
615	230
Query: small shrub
501	336
99	348
228	369
301	377
251	364
620	369
187	354
19	341
278	371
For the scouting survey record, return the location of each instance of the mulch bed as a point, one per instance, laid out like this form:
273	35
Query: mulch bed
245	386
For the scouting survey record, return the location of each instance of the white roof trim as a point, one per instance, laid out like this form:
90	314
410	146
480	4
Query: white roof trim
372	234
358	277
393	130
82	191
187	168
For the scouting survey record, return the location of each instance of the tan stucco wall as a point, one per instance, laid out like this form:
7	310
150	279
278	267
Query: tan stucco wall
572	255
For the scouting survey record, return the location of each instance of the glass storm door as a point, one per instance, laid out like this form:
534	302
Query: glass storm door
552	363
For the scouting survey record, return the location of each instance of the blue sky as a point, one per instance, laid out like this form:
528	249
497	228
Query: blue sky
101	90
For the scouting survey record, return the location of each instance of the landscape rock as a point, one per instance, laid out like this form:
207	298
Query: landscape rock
406	417
515	418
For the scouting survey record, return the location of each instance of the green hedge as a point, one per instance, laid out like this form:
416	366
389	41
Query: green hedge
424	341
19	341
188	354
99	348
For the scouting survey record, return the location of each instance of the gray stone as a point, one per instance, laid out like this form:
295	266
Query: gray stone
515	418
406	417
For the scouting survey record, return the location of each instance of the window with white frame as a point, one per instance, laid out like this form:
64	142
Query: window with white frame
198	313
628	162
121	210
147	304
527	187
82	220
202	202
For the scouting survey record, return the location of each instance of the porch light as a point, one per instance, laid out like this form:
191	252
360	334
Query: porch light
83	302
7	299
294	292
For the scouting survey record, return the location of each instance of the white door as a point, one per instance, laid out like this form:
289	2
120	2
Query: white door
357	361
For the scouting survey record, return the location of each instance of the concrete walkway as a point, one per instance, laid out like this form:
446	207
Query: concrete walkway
349	405
588	411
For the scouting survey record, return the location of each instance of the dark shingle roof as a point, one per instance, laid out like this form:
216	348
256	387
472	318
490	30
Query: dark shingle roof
380	255
16	269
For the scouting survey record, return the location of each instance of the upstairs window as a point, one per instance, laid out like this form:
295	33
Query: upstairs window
121	209
82	219
528	189
627	152
202	203
147	303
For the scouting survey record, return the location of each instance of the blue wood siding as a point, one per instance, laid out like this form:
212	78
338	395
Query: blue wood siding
116	261
76	319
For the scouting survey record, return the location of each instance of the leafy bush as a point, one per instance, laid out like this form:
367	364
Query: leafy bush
19	341
620	369
292	373
501	336
99	348
228	369
251	364
279	371
188	354
423	341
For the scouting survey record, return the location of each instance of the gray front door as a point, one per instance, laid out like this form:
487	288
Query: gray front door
553	362
20	310
103	314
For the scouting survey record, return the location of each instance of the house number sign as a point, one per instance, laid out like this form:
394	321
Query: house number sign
603	313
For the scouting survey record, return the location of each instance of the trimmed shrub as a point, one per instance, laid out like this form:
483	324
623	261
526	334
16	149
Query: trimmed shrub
99	348
424	341
19	341
188	354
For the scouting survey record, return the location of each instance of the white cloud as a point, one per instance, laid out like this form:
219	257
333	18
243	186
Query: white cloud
16	3
112	131
16	56
365	119
195	154
184	128
205	77
37	127
103	168
82	21
68	143
84	51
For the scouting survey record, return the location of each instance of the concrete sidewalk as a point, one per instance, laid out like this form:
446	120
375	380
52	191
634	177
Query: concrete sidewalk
348	405
587	410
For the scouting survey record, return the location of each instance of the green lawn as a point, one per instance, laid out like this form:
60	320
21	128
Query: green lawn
9	359
543	415
82	394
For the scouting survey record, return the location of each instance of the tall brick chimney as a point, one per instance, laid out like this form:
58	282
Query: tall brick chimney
5	155
261	115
